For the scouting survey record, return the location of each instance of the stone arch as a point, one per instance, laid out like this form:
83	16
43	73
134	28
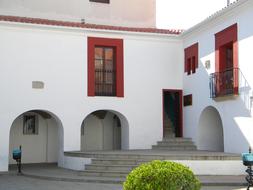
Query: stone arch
104	130
40	133
210	130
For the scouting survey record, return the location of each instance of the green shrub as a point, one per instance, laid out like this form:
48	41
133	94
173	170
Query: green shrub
161	175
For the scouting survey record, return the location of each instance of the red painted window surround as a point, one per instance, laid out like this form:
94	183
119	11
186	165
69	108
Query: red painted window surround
191	58
106	42
227	37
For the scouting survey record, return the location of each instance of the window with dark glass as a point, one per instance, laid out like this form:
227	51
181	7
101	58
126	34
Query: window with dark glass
191	59
105	84
100	1
30	125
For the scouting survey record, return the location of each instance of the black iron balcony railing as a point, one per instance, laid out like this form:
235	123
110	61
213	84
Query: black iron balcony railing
105	84
224	83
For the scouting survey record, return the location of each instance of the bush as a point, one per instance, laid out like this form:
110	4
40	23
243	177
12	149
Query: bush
161	175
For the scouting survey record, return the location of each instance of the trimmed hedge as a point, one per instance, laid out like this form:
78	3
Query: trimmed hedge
161	175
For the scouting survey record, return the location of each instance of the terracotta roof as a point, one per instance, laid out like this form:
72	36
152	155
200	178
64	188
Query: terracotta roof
85	25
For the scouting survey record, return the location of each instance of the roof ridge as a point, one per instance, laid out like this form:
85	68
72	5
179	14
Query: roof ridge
43	21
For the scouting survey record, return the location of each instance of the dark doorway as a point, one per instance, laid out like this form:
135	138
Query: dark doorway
172	113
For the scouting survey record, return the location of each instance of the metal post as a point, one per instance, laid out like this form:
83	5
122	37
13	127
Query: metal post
19	160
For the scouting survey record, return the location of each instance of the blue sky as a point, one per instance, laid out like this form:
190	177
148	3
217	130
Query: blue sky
182	14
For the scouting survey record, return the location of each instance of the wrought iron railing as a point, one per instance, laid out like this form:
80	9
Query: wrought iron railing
224	83
105	84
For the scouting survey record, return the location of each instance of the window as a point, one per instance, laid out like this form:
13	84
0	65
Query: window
226	61
104	71
188	100
191	58
30	125
100	1
226	50
105	67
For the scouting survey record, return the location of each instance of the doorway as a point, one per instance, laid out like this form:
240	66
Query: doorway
172	113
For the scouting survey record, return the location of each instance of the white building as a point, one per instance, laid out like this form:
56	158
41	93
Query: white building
69	85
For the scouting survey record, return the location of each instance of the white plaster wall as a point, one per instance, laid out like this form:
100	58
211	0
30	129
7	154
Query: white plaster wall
141	13
198	84
108	131
75	163
93	134
53	144
35	148
99	134
58	57
215	167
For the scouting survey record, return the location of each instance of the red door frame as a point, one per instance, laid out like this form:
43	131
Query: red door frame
180	92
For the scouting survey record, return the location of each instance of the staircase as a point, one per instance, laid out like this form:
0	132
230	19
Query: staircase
115	167
175	144
168	128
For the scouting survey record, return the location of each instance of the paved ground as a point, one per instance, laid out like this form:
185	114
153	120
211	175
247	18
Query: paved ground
26	183
51	177
13	182
54	173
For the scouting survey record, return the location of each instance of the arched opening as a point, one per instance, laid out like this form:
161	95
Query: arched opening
210	130
40	133
104	130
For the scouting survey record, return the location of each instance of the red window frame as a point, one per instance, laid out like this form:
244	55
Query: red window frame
106	42
225	38
191	58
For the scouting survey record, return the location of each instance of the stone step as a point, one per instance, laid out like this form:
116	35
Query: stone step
116	161
169	135
173	148
103	173
96	167
177	139
84	179
176	143
157	155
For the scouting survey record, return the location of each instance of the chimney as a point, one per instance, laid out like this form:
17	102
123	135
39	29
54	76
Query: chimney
228	2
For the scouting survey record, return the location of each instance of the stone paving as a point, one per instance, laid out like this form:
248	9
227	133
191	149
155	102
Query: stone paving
49	176
14	182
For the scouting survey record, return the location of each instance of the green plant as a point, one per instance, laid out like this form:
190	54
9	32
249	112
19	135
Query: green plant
161	175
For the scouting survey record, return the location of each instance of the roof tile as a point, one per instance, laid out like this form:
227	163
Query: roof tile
85	25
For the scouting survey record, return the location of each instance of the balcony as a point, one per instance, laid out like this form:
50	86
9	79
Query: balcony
224	83
105	84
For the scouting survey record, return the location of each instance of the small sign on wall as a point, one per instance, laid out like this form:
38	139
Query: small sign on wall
188	100
37	84
207	64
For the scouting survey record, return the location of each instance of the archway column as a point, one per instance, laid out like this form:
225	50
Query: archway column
4	145
71	135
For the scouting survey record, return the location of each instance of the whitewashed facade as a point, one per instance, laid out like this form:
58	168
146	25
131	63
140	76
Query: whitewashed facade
235	111
45	73
58	57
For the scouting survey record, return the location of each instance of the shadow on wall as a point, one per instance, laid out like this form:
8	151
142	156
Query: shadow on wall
40	133
104	130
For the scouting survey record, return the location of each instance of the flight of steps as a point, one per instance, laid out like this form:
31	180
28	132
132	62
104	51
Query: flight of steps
115	168
175	144
168	128
112	169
